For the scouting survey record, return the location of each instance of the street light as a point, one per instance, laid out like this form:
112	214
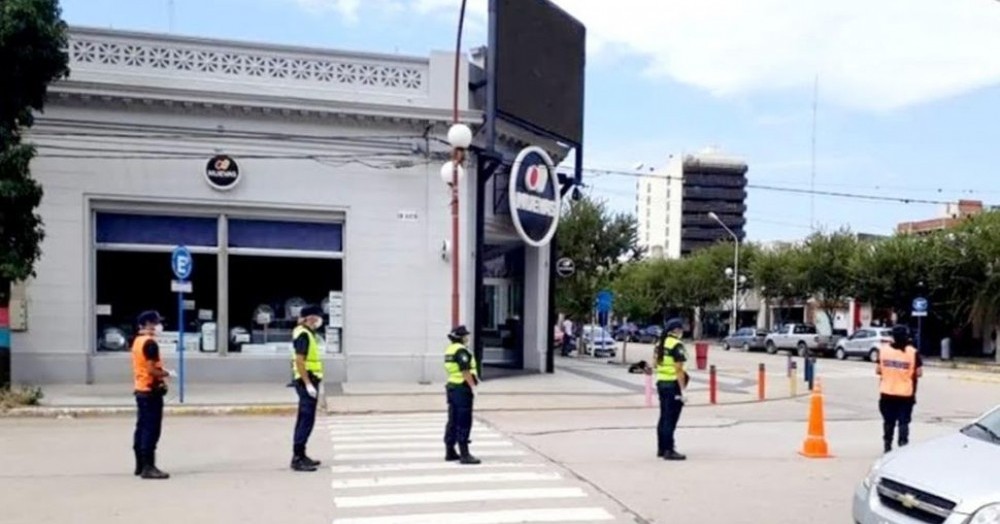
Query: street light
452	172
735	271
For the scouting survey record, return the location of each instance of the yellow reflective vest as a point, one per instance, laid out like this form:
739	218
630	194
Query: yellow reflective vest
451	365
665	370
314	364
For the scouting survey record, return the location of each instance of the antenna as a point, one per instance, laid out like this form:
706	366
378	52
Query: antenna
812	161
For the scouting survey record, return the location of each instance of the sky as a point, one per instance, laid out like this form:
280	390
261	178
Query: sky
907	92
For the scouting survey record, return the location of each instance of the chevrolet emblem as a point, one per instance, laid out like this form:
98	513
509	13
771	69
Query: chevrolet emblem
909	501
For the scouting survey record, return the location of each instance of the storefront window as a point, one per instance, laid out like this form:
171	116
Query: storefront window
133	275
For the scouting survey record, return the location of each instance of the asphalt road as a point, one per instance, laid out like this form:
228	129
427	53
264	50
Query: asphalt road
539	466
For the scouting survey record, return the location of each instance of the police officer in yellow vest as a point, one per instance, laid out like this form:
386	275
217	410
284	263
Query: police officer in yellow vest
463	377
307	369
671	380
899	366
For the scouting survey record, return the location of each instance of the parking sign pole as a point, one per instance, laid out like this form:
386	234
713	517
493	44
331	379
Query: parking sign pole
180	341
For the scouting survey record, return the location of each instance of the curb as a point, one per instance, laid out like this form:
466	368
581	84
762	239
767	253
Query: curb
94	412
40	412
962	366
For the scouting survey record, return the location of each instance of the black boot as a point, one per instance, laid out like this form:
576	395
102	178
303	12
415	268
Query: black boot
451	455
887	446
311	462
465	457
673	455
150	471
299	464
138	463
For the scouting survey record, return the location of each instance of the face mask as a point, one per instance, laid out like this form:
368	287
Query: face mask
158	329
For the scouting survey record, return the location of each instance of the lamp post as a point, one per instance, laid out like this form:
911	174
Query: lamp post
452	172
735	270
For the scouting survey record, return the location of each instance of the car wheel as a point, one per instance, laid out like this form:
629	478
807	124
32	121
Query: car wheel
803	349
873	355
771	348
725	346
746	347
841	354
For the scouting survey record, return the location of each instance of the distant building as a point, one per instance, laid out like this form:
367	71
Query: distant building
673	204
952	215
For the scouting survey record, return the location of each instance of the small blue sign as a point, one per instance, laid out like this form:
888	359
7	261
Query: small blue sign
181	262
605	299
919	305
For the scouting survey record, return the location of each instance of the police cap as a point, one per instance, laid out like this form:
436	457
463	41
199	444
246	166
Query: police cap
900	333
459	332
311	311
148	317
673	324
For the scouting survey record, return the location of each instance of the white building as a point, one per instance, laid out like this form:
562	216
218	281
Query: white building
673	202
294	176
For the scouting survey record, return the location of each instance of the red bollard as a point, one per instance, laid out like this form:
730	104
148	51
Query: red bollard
713	385
761	378
701	355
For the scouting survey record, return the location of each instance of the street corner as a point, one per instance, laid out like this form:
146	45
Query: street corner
122	411
990	378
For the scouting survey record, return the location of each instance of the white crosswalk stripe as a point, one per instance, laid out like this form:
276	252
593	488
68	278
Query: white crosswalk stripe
390	469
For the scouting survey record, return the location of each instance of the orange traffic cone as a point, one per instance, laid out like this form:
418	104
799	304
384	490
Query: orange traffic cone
815	445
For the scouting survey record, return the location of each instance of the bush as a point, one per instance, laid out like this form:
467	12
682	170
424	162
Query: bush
19	396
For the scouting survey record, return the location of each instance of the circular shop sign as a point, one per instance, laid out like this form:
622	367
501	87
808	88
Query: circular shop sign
534	196
222	173
565	267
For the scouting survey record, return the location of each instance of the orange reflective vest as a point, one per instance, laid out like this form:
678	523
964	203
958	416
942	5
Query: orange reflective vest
898	368
144	381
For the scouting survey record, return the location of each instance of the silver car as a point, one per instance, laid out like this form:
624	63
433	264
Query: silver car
865	342
954	479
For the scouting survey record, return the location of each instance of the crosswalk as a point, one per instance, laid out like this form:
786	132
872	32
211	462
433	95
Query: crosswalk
390	469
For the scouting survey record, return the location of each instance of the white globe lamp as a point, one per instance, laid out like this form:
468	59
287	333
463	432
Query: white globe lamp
447	172
460	136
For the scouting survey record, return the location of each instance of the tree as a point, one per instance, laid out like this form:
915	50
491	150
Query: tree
635	295
829	269
599	243
32	55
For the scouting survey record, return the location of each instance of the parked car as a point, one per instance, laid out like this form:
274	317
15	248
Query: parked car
747	339
801	338
864	342
946	480
597	341
626	332
649	334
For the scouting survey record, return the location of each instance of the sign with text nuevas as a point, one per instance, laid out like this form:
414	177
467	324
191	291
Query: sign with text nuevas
534	196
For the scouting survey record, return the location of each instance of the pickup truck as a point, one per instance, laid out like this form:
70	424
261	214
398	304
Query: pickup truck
801	338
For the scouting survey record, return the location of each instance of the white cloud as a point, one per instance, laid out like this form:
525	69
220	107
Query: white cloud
869	54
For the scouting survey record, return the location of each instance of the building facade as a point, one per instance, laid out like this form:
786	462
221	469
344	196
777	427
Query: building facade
673	204
952	215
294	176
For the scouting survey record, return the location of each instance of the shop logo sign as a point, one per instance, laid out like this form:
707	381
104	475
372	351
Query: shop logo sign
222	173
534	197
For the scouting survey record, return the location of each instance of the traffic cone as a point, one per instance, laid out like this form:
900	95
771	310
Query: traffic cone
815	445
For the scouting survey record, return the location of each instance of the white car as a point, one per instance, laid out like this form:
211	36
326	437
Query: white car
954	479
864	342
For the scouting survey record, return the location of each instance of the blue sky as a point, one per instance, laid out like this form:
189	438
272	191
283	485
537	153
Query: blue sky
909	90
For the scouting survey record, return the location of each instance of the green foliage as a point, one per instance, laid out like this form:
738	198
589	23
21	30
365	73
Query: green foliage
21	396
600	244
32	55
828	268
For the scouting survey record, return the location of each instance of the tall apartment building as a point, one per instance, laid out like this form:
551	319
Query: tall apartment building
673	203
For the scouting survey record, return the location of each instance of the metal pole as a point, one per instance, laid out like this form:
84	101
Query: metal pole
180	341
456	158
736	283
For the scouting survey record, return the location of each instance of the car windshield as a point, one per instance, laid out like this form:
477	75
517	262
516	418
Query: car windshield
986	428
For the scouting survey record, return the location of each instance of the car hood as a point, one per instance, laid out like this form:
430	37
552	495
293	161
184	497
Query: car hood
953	466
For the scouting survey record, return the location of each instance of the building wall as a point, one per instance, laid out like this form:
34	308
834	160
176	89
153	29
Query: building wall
658	210
393	321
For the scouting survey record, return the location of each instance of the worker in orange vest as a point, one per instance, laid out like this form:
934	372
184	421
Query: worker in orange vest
899	366
149	377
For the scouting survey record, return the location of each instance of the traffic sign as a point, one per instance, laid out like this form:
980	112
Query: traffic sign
919	307
565	267
605	299
181	262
